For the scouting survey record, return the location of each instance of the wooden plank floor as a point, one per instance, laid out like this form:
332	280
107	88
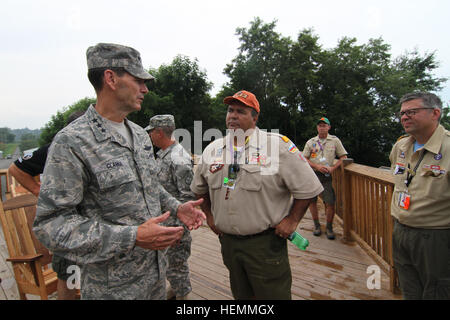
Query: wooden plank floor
326	270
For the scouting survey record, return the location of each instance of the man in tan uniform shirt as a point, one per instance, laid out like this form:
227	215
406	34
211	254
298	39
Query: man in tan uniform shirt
320	152
257	187
420	204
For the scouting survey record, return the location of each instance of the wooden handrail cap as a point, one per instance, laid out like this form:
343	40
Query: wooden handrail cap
26	200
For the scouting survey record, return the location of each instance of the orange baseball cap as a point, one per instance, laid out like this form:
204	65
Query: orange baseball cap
245	97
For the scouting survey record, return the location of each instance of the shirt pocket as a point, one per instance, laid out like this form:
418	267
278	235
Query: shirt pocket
215	180
114	173
251	179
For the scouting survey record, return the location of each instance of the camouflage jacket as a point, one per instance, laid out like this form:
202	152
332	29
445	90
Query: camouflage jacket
175	172
95	192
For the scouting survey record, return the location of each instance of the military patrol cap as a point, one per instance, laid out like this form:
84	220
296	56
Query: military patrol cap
161	120
325	120
246	97
110	55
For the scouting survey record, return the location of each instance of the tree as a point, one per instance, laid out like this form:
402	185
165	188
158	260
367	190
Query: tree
59	121
356	86
258	68
6	136
181	89
28	141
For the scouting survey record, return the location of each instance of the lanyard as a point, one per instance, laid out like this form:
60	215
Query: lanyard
412	173
320	145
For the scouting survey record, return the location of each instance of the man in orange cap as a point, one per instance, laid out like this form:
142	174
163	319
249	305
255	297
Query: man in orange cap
256	188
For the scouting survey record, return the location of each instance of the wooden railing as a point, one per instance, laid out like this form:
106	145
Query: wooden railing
363	202
5	183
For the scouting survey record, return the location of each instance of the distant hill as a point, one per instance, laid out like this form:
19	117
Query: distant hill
19	132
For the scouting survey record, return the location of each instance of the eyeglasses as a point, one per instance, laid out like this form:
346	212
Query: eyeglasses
410	112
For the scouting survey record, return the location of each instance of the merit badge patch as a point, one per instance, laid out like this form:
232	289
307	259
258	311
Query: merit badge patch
215	167
293	148
438	156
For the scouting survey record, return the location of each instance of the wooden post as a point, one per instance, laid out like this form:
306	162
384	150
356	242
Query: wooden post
347	200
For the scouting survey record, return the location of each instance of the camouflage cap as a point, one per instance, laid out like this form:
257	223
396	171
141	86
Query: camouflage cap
161	120
110	55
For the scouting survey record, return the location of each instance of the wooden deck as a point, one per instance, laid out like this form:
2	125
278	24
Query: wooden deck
326	270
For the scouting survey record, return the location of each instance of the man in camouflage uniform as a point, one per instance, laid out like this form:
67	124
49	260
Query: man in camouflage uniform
175	174
100	202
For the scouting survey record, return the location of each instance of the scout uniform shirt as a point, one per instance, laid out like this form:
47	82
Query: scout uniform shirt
425	203
96	190
324	151
271	170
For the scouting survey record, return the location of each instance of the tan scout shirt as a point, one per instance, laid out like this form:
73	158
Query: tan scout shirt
430	188
329	148
271	170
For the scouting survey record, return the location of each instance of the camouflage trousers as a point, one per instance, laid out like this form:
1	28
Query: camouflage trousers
178	271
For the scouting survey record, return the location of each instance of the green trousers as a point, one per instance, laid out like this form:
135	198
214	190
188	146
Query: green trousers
422	260
258	266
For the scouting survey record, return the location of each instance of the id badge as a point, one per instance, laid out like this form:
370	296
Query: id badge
404	200
229	183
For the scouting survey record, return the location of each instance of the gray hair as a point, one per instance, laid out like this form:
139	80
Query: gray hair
429	100
168	131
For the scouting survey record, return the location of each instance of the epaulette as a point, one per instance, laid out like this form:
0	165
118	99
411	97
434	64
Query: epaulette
403	136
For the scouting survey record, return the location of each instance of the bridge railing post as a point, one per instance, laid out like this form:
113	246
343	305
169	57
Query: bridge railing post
347	200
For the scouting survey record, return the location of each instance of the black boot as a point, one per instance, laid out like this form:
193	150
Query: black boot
317	232
329	231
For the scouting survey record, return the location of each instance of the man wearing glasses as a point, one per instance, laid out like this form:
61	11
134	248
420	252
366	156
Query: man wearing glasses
420	205
257	187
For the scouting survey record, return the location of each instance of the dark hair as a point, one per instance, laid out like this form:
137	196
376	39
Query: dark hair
96	76
253	111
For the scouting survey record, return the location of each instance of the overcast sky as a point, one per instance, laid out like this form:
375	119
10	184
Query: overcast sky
43	43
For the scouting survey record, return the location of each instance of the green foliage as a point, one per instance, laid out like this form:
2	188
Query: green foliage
181	89
6	136
356	86
8	148
59	120
445	117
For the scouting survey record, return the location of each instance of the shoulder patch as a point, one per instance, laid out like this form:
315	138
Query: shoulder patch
285	139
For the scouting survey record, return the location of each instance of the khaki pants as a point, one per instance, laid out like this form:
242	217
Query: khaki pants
258	265
422	260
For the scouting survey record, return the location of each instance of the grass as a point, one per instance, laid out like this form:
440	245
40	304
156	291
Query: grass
8	148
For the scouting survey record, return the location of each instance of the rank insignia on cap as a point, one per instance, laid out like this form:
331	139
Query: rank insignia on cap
285	139
438	156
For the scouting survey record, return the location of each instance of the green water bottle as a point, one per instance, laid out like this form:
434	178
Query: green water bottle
298	240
